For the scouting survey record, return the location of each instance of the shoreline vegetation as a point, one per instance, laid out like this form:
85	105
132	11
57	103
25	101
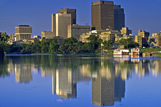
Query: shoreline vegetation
70	46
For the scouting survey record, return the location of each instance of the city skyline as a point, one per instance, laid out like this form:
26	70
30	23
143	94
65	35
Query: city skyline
136	18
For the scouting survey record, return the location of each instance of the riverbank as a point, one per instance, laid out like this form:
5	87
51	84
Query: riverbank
39	54
154	51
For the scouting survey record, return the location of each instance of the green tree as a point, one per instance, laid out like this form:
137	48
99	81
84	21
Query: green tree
53	47
68	46
45	46
95	41
36	47
128	43
108	44
3	43
4	38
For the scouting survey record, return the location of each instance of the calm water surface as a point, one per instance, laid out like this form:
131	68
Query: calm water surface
50	81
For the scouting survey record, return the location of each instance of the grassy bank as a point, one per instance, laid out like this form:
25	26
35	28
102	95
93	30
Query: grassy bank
150	49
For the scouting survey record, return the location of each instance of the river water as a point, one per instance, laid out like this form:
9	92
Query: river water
73	81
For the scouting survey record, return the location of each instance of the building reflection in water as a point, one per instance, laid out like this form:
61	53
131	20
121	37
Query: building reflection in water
106	87
62	83
23	73
108	76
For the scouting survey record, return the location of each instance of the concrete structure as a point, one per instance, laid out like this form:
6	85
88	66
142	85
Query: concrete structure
125	31
47	35
119	17
105	35
110	35
76	30
60	24
36	37
141	38
23	32
102	15
156	34
144	34
138	39
53	23
30	41
69	11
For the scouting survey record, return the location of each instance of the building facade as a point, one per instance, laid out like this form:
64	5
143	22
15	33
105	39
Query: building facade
47	35
60	24
23	32
119	17
144	34
76	30
102	15
125	31
105	35
69	11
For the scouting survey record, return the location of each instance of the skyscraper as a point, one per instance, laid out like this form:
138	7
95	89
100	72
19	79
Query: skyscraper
102	15
60	24
119	17
69	11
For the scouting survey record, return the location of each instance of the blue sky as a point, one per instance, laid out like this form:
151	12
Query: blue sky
140	14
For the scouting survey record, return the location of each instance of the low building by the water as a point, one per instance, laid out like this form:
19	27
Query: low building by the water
121	52
135	52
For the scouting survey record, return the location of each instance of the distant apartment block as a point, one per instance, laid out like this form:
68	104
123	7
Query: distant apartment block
144	34
23	32
102	15
47	35
105	35
138	39
119	17
76	30
126	31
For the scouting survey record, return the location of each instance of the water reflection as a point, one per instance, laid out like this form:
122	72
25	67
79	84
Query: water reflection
108	75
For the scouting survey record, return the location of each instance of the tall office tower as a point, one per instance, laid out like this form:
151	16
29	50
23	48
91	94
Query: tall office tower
69	11
119	17
23	32
103	15
60	24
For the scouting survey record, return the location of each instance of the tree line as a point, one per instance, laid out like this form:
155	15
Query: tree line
69	46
